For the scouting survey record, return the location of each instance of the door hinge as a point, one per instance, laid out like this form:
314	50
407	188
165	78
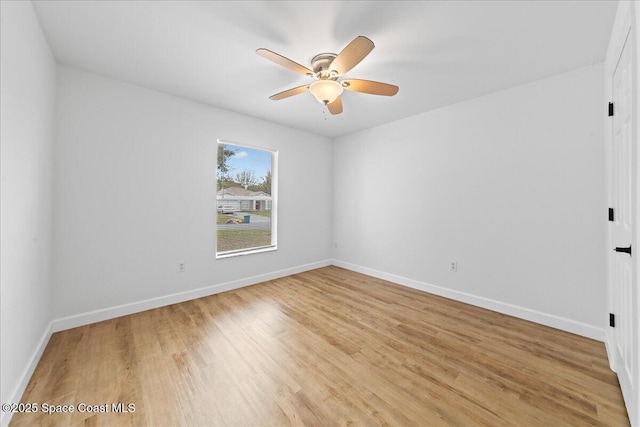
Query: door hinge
625	250
610	109
611	215
612	320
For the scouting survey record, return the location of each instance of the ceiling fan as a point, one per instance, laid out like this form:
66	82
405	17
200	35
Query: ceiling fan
327	69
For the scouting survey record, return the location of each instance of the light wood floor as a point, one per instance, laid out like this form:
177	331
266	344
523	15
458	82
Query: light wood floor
325	347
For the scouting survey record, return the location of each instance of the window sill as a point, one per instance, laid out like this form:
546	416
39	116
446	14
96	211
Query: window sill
230	254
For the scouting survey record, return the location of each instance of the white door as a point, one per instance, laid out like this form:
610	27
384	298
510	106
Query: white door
623	192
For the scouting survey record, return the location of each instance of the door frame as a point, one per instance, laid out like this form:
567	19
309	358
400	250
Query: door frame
626	23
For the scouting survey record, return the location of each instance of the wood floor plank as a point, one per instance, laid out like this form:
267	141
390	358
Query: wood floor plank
325	347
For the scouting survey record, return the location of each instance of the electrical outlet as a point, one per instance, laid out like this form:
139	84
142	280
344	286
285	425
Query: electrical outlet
181	267
453	266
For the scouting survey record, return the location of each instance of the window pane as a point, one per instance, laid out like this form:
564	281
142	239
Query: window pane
244	199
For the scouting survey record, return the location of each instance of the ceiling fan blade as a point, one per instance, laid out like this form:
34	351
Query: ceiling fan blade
371	87
336	106
352	54
285	62
289	92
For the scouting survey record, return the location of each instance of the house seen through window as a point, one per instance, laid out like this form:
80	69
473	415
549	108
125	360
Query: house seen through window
245	199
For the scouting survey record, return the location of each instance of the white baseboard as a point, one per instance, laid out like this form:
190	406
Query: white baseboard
609	346
136	307
26	374
546	319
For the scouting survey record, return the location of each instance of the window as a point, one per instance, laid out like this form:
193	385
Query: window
245	199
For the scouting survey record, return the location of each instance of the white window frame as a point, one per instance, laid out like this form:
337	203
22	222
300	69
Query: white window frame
274	203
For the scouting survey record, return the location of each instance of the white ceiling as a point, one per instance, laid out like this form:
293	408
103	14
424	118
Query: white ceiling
437	52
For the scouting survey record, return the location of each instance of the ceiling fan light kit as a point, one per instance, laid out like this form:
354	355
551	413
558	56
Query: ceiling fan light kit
327	69
325	91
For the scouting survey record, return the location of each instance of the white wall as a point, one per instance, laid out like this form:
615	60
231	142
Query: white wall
27	134
135	195
509	185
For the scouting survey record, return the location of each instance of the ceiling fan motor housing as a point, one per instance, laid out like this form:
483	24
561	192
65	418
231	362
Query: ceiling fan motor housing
321	66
